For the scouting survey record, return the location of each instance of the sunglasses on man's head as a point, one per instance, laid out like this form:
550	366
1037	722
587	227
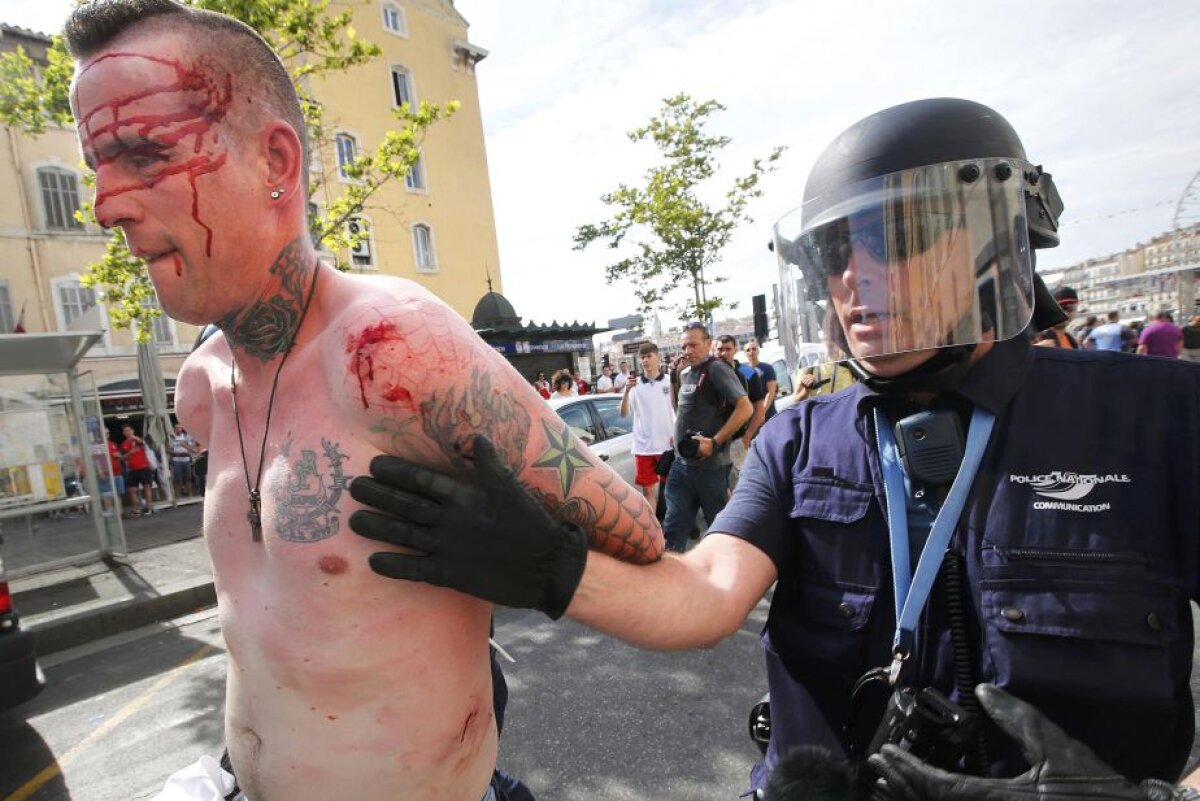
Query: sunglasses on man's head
828	247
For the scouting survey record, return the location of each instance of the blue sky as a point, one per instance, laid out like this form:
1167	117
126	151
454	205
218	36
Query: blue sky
1102	93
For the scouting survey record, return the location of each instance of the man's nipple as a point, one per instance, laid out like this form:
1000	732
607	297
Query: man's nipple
332	564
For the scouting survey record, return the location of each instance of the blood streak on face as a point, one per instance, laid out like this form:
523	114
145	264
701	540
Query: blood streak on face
195	102
363	363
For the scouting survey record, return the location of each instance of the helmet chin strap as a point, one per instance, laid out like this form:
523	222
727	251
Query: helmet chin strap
940	373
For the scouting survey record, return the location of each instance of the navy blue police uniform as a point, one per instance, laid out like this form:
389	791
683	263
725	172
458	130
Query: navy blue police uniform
1080	538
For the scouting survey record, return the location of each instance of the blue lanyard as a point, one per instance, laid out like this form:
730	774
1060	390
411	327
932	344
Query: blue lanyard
912	591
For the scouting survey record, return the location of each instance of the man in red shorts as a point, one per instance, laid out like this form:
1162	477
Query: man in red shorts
649	396
137	470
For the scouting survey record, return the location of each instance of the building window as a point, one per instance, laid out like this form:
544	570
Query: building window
347	152
163	335
6	313
423	252
415	179
314	224
362	255
401	87
393	19
60	198
74	299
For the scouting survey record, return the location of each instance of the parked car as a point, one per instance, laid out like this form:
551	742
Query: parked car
21	676
597	421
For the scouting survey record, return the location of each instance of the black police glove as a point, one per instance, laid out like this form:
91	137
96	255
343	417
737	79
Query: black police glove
1062	768
489	539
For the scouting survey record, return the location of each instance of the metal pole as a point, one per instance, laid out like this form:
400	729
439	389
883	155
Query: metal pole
89	474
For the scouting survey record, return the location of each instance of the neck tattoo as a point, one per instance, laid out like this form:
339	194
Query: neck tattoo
253	494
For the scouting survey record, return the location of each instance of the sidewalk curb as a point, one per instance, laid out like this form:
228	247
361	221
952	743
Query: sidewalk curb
57	631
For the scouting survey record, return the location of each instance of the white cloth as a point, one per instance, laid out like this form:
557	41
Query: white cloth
604	384
653	416
203	780
619	381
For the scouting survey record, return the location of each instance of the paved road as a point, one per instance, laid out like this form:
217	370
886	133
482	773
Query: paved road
588	717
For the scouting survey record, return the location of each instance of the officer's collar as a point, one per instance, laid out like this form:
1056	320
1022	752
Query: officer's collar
990	383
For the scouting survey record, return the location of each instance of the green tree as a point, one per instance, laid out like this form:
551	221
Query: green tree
313	42
671	234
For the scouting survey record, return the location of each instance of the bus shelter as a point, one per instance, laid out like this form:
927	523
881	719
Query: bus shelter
58	500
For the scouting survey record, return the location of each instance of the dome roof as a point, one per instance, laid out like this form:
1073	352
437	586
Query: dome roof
494	311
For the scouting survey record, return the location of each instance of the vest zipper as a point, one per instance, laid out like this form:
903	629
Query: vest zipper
1014	553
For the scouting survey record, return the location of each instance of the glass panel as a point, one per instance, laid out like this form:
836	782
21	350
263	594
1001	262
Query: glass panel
416	176
576	416
614	424
421	243
102	462
401	92
6	314
43	469
347	150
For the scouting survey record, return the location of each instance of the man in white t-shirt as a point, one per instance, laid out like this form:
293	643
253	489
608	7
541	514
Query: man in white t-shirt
622	377
605	382
649	396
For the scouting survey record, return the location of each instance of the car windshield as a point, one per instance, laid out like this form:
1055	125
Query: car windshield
614	424
576	416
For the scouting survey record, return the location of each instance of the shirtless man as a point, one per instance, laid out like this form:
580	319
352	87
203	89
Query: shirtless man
341	683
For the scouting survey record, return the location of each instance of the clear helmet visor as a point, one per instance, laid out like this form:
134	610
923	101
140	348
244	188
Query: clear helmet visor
925	258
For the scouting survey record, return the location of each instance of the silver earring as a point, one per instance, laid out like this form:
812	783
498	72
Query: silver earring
276	194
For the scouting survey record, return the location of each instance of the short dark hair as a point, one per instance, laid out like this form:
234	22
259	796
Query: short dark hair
728	339
563	378
647	347
226	42
701	327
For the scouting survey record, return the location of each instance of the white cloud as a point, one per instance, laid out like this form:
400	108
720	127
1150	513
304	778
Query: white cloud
1102	94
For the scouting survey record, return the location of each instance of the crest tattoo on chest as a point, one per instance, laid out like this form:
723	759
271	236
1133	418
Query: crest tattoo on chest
306	498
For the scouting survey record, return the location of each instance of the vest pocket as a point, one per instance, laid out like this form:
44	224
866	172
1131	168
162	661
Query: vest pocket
830	498
1093	656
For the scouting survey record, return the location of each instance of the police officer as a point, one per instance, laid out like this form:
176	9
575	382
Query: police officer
927	528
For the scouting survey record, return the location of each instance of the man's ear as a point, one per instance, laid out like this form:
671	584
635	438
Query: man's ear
284	158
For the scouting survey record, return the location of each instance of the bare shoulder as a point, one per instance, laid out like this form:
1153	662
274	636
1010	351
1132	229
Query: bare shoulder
415	373
194	386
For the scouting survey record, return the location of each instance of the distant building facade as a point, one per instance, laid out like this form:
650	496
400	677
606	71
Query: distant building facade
1160	275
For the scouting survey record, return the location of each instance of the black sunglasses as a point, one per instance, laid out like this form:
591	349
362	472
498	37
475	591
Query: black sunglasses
828	247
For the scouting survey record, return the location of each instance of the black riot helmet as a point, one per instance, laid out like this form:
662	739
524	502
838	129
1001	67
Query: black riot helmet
917	230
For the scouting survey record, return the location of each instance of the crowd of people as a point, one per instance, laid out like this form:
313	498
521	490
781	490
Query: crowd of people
1160	337
134	471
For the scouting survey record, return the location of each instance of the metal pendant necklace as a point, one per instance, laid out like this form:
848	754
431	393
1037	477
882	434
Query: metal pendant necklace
255	497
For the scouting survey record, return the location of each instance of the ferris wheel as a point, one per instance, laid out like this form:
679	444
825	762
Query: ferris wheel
1187	210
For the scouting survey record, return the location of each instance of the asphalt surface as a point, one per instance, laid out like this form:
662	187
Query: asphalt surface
588	717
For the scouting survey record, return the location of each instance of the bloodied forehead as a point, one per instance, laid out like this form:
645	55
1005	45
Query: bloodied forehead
141	94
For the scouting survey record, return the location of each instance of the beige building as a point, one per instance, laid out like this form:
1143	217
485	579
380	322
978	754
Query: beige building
436	227
1160	275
